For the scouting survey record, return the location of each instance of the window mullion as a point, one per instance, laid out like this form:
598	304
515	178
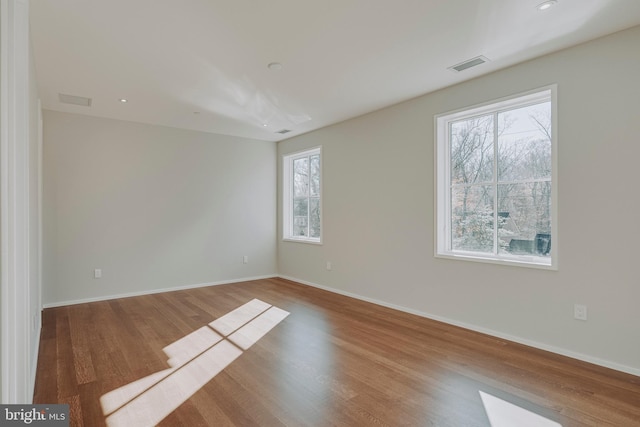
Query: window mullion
292	185
449	202
495	183
309	196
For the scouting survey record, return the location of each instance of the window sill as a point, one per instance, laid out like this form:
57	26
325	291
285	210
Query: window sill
311	242
526	262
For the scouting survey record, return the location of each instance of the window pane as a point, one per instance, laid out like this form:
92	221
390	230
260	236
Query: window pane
524	143
314	217
299	227
301	177
524	212
472	150
314	189
472	218
300	217
300	207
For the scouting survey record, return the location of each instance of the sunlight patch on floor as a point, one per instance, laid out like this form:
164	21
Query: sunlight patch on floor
195	360
504	414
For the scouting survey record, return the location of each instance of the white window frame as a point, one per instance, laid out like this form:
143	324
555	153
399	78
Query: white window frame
443	215
287	196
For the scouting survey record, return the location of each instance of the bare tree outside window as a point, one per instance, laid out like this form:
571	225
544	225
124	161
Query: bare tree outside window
302	196
499	180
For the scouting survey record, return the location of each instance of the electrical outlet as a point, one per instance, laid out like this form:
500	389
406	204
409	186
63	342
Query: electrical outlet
328	265
97	273
245	259
580	312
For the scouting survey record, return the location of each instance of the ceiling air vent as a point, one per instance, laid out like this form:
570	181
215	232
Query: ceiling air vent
283	131
75	100
470	63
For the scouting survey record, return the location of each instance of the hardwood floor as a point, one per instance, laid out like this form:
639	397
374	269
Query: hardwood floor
332	361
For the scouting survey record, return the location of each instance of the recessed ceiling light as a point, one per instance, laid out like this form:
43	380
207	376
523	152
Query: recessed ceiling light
123	100
546	5
264	124
275	66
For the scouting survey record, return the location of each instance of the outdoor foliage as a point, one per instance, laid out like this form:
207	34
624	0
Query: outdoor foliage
306	196
501	176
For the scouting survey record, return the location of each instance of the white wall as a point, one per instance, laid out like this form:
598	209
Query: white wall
379	211
153	207
20	205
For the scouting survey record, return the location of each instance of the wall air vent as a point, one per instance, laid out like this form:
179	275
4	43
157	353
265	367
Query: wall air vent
75	100
469	63
283	131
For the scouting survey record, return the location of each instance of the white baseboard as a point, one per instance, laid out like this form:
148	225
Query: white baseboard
155	291
497	334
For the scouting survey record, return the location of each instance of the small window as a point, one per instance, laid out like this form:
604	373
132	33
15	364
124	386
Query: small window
495	179
302	205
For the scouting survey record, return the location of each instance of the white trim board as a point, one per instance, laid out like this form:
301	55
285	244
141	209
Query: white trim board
519	340
156	291
16	335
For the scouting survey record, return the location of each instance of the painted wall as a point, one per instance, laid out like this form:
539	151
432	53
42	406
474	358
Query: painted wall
153	207
379	211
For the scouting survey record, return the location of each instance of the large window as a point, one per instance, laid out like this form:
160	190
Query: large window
495	178
302	204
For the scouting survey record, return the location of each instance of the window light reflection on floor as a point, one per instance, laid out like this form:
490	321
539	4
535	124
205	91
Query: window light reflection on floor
505	414
194	360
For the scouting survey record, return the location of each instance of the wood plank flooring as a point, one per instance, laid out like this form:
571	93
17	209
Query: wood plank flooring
332	361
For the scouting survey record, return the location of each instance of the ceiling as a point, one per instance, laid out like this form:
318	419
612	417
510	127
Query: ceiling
203	64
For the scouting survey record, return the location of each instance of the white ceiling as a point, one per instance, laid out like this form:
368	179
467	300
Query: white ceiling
202	64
